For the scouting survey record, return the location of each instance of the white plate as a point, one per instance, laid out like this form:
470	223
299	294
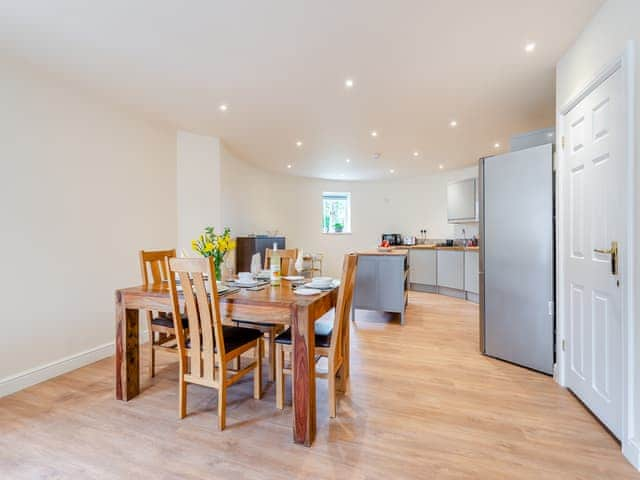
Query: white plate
251	283
293	278
307	291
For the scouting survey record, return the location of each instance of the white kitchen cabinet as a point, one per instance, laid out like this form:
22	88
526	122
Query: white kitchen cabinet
461	201
471	280
422	266
451	269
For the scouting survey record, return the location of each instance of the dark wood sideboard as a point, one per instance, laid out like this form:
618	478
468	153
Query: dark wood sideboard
246	247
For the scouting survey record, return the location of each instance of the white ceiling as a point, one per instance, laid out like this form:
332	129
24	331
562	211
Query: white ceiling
281	66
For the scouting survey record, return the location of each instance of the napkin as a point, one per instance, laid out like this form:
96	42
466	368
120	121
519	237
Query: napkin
299	261
256	264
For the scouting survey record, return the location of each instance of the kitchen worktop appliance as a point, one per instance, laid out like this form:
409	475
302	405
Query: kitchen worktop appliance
394	239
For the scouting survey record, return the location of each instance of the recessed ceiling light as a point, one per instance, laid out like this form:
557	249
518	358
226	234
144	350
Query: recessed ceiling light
348	83
415	154
299	143
342	175
374	133
440	166
289	166
530	47
496	145
376	155
223	107
348	160
391	170
453	123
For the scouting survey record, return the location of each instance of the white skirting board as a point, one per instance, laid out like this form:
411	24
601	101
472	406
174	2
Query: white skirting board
39	374
631	451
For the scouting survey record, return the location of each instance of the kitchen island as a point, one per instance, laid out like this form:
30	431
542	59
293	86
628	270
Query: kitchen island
382	281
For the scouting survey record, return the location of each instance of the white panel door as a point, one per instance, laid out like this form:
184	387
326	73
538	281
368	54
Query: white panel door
594	181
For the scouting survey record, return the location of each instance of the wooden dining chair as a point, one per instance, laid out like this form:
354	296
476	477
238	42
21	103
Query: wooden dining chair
331	340
288	257
270	330
204	356
162	335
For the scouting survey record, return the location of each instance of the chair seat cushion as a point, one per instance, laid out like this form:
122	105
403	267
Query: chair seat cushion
323	331
236	337
168	321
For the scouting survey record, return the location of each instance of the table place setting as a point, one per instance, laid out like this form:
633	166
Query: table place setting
316	286
247	280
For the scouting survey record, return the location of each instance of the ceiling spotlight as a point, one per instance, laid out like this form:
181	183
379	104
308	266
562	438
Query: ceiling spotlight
342	175
530	47
223	107
415	154
440	166
289	166
348	160
299	143
496	145
453	123
391	170
374	133
348	83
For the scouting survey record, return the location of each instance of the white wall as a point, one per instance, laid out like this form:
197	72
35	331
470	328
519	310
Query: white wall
198	184
83	187
255	201
603	40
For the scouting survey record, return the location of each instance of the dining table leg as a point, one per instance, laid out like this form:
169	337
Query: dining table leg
304	376
127	364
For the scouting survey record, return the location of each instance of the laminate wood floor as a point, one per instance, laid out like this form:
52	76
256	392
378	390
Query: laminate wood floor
423	404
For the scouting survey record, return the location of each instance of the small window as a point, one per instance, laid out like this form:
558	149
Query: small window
336	212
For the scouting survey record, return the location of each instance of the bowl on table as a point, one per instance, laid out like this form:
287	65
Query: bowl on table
321	282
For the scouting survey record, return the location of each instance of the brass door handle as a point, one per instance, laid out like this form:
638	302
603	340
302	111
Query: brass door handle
613	251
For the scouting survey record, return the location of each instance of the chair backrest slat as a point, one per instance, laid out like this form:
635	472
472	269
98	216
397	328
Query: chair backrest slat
343	305
197	277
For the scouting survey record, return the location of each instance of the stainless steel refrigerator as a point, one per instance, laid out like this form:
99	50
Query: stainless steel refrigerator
517	257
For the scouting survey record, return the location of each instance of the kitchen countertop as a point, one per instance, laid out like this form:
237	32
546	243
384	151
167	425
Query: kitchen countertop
434	247
397	251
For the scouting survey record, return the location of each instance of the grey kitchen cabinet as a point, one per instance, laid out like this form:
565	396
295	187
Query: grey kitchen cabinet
471	270
462	201
451	269
422	266
381	283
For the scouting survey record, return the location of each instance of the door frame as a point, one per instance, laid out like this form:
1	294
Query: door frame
625	63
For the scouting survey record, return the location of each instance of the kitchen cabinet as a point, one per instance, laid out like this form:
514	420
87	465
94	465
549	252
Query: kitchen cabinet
422	263
462	201
450	269
471	270
381	283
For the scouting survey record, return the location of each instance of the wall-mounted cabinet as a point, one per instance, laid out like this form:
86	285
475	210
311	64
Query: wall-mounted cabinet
462	201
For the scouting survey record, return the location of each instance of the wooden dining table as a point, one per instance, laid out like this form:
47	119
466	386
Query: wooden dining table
273	304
